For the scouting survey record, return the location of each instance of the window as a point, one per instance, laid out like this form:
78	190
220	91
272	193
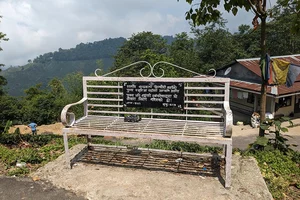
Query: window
250	98
285	101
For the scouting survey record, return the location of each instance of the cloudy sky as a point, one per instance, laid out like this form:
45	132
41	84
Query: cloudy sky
36	27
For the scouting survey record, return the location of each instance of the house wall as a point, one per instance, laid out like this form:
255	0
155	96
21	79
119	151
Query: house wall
270	106
239	72
286	111
297	104
241	105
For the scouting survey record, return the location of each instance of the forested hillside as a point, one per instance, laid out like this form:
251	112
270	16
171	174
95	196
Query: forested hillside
83	58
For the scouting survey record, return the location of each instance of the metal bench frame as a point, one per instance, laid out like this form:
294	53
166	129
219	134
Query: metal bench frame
106	118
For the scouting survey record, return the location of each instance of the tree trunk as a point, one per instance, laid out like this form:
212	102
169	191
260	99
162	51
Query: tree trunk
263	99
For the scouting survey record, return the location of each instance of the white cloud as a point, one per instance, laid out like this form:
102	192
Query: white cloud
36	27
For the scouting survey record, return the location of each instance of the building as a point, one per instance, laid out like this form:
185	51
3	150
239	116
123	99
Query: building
245	89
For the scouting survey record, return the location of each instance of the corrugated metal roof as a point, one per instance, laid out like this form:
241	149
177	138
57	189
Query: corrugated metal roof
253	63
282	90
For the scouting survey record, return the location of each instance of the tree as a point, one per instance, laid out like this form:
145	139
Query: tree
139	47
248	40
282	39
294	7
184	53
2	79
10	111
207	11
213	50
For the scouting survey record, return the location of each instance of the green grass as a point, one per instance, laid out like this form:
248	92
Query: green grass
35	151
281	172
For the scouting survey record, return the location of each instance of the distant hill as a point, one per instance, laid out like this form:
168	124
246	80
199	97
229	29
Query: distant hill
169	39
58	64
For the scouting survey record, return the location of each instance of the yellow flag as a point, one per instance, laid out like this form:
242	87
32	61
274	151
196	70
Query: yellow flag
281	69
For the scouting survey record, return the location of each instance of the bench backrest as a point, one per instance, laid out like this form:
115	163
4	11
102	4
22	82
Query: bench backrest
203	98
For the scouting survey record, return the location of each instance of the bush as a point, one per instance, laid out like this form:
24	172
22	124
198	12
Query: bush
183	146
18	171
280	170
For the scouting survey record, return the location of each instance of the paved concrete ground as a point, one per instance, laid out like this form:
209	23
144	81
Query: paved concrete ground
244	135
25	188
97	181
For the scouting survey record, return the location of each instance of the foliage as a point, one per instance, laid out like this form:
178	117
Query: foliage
44	106
278	163
6	128
10	111
281	40
182	146
207	11
142	46
281	172
294	6
184	53
2	79
34	150
248	41
278	141
83	58
213	50
89	51
38	106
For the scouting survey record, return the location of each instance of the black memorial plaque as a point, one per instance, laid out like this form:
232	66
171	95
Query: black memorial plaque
153	94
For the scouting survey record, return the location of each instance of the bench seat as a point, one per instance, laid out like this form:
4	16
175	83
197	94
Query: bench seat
150	126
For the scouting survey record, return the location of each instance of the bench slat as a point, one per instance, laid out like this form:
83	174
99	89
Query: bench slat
106	93
104	99
155	114
204	88
105	105
104	86
194	108
204	95
205	102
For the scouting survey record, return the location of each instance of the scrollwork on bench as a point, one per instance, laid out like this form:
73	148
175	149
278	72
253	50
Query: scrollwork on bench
68	118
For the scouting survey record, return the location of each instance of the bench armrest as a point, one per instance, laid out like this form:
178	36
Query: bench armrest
68	118
228	120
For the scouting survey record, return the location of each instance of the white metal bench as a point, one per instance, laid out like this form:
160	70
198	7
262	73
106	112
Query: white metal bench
176	109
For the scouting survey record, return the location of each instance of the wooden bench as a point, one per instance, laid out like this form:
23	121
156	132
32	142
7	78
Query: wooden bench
175	109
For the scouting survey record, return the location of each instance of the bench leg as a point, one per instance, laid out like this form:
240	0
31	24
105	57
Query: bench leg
67	154
228	156
89	141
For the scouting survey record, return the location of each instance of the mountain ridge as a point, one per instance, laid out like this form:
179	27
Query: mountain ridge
82	58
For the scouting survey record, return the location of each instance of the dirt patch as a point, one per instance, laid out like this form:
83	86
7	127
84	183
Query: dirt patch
51	128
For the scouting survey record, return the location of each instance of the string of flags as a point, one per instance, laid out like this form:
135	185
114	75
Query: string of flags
279	72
